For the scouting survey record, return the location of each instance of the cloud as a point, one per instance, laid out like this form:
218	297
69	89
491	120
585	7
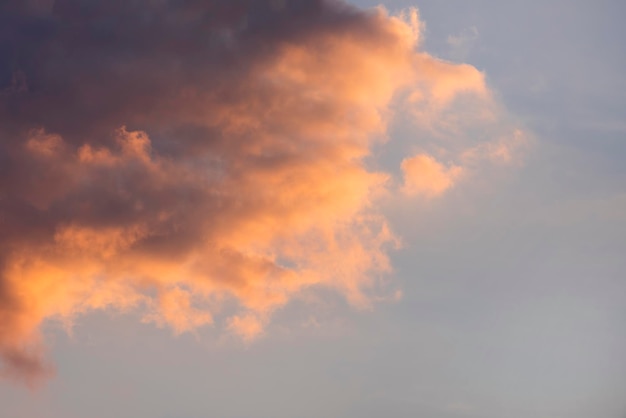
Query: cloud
248	326
503	150
423	175
180	156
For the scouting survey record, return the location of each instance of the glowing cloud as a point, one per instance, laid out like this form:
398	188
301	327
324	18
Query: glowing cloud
169	156
423	175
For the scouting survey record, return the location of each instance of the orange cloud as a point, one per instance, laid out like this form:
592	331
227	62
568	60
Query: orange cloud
247	327
423	175
207	157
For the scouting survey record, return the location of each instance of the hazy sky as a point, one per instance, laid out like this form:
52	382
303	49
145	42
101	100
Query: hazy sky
312	209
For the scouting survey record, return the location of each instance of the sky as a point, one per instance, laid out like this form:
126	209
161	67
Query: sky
307	208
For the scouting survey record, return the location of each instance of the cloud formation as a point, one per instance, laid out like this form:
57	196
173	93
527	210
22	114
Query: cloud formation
174	156
423	175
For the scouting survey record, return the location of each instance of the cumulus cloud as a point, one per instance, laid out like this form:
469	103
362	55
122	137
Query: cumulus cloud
424	175
170	156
